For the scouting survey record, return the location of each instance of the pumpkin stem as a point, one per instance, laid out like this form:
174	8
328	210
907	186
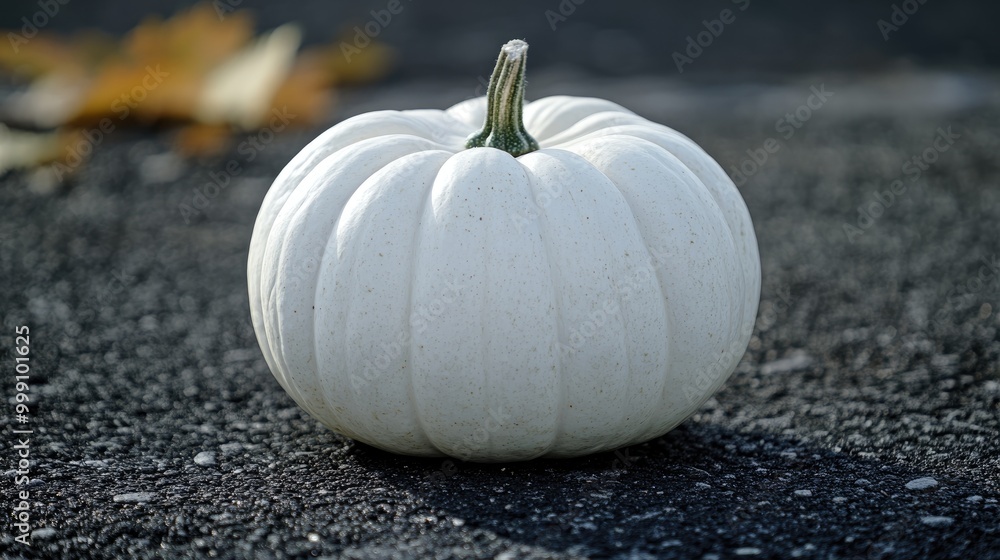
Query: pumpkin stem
504	127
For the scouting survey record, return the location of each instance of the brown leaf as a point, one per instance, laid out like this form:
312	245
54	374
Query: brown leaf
20	149
163	66
240	90
305	94
195	39
195	68
45	54
202	139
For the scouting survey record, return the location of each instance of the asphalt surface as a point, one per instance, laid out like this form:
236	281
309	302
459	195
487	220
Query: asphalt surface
158	430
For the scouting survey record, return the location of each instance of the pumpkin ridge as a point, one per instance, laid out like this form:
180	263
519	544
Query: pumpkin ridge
362	228
660	151
662	301
594	447
671	165
740	280
737	216
415	260
668	320
543	228
303	205
574	164
602	120
543	115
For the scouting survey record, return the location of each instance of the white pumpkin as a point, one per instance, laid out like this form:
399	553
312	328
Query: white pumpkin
503	302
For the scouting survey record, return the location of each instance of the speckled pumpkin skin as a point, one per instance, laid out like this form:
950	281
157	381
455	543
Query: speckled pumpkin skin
433	300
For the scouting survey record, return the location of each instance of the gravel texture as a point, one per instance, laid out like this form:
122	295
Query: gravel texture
158	430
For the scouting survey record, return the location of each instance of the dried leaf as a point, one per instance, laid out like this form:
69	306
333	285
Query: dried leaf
20	149
49	101
305	95
202	139
46	54
163	66
197	69
240	91
195	39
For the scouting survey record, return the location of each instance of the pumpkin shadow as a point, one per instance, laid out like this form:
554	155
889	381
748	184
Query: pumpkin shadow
700	489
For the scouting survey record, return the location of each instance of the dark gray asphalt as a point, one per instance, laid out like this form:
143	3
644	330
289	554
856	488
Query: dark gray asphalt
158	430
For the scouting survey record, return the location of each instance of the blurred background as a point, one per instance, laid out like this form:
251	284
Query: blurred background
455	39
65	64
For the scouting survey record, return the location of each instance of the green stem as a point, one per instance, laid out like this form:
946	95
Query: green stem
504	127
